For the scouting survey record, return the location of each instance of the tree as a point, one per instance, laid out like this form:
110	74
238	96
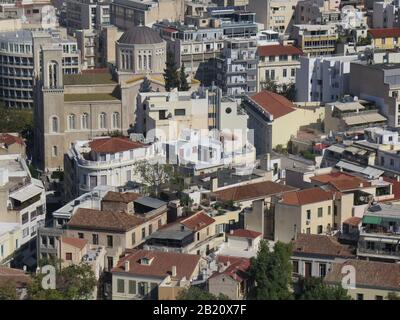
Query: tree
8	291
316	289
269	85
75	282
171	75
271	272
183	83
286	90
195	293
145	86
153	175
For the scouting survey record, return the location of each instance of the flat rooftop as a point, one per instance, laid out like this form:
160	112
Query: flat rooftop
173	233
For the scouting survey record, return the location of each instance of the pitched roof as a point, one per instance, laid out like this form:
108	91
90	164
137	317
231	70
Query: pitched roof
321	245
114	144
275	104
306	196
368	274
252	191
124	197
92	219
353	221
75	242
341	181
9	139
278	49
243	233
161	263
236	267
197	221
17	276
384	32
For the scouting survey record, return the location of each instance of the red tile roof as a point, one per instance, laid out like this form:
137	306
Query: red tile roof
306	196
17	276
395	188
275	104
125	197
9	139
276	50
75	242
341	181
252	191
236	267
353	221
161	263
114	144
197	221
243	233
384	32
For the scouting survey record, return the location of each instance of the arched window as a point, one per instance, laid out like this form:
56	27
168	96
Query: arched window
144	62
123	61
149	62
140	62
52	73
54	124
115	120
71	122
103	120
85	121
131	61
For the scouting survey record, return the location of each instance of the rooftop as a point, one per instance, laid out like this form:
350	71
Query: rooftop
100	96
140	35
124	197
89	78
384	32
75	242
341	181
236	267
114	145
9	139
197	221
306	196
276	50
243	233
18	276
275	104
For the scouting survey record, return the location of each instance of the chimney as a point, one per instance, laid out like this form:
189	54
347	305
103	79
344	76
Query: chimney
126	265
173	271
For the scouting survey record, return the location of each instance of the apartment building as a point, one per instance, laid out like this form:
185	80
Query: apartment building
277	15
278	63
19	63
385	38
385	14
236	70
10	238
126	14
315	40
317	12
324	79
143	274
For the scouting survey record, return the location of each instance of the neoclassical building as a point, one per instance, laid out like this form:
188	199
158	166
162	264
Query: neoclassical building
140	50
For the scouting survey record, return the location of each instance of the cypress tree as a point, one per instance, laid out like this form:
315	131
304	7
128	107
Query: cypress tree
183	83
171	75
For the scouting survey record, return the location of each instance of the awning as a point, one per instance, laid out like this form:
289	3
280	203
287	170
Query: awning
26	193
372	220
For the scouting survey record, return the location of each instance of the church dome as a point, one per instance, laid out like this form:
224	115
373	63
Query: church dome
140	35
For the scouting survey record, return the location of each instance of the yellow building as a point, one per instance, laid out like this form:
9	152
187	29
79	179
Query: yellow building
366	280
385	38
10	240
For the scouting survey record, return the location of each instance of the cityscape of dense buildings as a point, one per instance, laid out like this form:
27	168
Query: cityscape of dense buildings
184	149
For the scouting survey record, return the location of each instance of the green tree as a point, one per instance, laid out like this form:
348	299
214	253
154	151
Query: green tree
269	85
315	289
154	176
183	83
286	90
195	293
271	272
171	74
145	86
75	282
8	291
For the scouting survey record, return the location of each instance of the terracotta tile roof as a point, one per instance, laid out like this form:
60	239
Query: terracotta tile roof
161	263
374	274
75	242
124	197
321	245
197	221
353	221
91	219
341	181
236	267
243	233
9	139
252	191
17	276
279	49
384	32
275	104
307	196
114	144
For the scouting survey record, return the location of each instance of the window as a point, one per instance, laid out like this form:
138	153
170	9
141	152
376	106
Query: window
143	233
25	218
180	112
133	238
320	210
54	151
132	287
198	236
71	122
93	181
271	58
159	223
322	270
103	120
85	121
54	124
110	263
308	230
284	73
116	120
103	180
329	210
95	238
80	235
360	296
383	42
319	229
150	229
143	288
110	241
120	286
308	214
295	264
68	256
378	297
293	72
